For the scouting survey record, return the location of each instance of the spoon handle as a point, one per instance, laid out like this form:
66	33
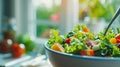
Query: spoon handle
114	17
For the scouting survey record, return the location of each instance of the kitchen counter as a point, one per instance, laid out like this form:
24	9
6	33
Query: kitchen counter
25	61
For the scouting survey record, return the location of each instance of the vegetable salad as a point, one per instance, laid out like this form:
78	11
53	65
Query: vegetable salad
80	41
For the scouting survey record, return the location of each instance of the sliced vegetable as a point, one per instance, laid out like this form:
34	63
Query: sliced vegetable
89	43
96	47
88	52
85	29
57	47
113	41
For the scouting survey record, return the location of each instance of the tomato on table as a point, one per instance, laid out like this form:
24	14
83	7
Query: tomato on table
5	46
17	50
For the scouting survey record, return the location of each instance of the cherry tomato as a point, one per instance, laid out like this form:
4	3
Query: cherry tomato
17	50
113	40
5	46
117	36
68	40
118	40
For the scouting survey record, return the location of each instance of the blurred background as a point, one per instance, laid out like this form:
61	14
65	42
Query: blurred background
28	22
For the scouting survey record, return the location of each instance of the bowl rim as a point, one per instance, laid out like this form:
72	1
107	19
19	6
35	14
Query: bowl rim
96	58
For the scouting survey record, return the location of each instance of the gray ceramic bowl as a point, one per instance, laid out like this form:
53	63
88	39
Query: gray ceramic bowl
59	59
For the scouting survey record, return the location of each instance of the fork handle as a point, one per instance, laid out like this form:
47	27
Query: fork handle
114	17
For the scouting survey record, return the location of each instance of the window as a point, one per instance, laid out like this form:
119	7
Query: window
47	16
97	13
97	9
34	18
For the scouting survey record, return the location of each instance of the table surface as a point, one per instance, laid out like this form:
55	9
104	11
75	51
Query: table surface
25	61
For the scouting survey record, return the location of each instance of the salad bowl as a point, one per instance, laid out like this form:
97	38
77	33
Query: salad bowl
81	48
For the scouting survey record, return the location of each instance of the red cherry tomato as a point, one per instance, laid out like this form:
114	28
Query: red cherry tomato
117	38
17	50
4	48
68	40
